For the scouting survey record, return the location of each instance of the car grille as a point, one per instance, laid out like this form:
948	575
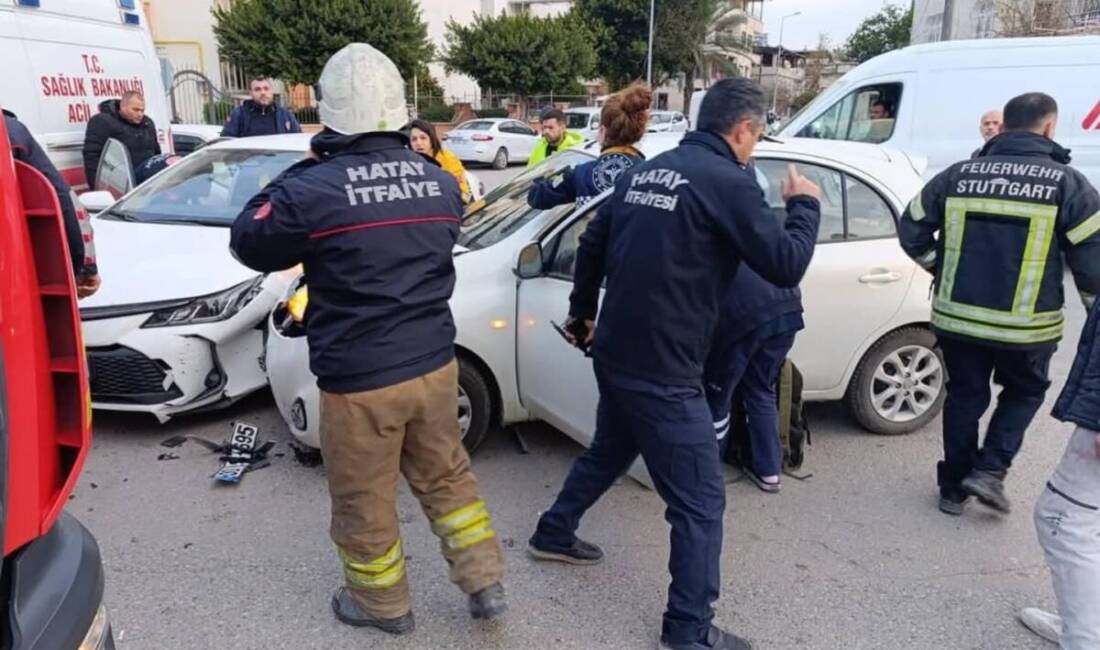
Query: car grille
122	375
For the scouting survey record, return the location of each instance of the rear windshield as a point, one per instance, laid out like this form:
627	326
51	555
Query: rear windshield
475	126
577	120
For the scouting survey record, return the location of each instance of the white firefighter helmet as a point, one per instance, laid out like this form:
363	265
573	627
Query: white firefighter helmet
362	91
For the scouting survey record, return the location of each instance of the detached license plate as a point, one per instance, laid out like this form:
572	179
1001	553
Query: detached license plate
242	443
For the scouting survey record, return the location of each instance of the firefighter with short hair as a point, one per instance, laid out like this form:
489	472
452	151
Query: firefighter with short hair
994	230
374	224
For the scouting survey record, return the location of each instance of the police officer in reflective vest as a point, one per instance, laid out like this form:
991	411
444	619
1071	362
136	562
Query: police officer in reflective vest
994	230
374	224
668	242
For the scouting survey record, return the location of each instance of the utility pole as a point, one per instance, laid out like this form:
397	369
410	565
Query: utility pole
649	56
948	20
779	57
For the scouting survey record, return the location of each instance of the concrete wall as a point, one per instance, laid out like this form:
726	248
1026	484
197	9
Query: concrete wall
183	34
970	19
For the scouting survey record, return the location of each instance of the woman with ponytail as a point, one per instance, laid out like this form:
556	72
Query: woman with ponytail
623	122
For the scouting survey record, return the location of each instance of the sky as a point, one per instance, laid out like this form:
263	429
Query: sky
837	18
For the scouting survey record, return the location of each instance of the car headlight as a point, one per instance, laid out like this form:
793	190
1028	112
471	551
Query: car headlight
96	638
208	309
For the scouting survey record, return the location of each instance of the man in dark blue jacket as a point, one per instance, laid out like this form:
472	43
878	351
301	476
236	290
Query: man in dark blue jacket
374	224
756	330
669	242
260	115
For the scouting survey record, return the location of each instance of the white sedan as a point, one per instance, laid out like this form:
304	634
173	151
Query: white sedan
177	324
667	122
867	338
494	141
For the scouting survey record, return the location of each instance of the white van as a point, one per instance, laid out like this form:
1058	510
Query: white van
584	120
935	94
63	57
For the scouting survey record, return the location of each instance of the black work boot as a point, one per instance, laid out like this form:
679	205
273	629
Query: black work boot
952	498
717	639
988	488
349	612
488	603
953	502
581	552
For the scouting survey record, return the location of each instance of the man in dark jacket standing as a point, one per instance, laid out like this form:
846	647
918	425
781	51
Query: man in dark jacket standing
124	120
260	115
1005	221
669	242
374	224
756	329
78	229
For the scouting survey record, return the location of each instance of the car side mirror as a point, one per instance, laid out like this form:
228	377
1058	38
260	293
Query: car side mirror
529	261
95	202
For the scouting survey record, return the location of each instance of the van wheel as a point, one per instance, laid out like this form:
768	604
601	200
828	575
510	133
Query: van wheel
500	161
475	406
900	384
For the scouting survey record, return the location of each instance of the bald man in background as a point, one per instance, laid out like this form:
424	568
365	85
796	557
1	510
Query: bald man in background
989	127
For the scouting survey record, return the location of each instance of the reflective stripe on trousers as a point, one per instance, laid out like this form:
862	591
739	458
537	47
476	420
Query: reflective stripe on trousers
1067	520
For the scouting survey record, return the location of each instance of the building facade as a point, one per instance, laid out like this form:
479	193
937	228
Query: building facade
936	20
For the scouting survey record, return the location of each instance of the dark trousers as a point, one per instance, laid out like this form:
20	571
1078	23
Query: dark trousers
751	364
671	427
1023	375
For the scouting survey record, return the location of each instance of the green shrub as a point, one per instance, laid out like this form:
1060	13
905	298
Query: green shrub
492	112
436	112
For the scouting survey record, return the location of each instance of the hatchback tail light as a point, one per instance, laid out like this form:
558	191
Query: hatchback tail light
482	138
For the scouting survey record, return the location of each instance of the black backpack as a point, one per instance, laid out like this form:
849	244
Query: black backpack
794	430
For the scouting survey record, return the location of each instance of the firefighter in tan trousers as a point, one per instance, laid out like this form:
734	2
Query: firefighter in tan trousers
374	223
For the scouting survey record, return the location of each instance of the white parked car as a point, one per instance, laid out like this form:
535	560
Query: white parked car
867	338
177	324
496	141
584	120
667	122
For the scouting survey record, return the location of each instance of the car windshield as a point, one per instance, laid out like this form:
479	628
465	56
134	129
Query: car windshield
475	126
576	120
504	210
208	187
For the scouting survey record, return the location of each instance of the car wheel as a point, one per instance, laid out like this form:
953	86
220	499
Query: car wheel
474	406
500	161
900	384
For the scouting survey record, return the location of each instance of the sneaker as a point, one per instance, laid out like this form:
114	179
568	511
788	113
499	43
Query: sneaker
349	612
717	639
488	603
771	487
581	553
953	503
988	488
1044	624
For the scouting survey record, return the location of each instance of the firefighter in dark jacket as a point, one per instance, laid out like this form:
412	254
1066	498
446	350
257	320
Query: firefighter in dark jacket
668	242
994	230
124	120
78	228
623	121
260	115
374	224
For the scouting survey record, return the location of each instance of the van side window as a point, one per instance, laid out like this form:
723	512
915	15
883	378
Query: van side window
867	114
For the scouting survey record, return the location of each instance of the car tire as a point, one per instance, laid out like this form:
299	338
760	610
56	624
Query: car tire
900	384
475	405
500	161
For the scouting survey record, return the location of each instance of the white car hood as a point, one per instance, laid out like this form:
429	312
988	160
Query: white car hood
141	262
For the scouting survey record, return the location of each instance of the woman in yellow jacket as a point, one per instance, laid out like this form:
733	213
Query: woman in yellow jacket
423	139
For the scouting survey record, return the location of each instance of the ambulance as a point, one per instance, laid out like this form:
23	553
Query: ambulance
62	58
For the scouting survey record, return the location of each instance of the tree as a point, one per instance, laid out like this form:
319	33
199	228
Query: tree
292	39
521	54
621	28
887	30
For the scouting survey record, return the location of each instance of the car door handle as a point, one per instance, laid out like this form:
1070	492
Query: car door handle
880	276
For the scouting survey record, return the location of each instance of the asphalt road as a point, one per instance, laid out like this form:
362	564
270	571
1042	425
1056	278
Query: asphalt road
855	557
